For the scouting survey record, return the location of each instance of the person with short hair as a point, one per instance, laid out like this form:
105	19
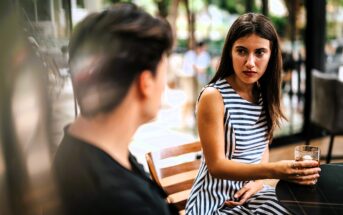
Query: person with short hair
237	114
118	66
193	77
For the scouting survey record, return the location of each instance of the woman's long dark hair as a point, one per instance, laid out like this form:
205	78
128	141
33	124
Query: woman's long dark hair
270	82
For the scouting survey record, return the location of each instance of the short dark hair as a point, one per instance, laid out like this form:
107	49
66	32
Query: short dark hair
269	84
200	44
108	50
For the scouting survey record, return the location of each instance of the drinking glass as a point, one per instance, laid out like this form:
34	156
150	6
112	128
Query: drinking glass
305	152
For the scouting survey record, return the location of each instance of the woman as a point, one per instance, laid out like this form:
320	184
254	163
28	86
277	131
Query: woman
237	113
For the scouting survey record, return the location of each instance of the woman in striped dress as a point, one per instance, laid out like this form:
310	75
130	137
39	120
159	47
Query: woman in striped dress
237	113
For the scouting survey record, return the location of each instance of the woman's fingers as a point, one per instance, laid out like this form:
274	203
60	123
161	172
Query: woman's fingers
231	203
300	177
245	197
240	192
303	172
304	164
234	203
306	182
304	168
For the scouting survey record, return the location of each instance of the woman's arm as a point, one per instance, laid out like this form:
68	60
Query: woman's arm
210	117
250	188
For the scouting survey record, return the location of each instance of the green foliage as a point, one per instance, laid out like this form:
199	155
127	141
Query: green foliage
163	7
215	47
182	45
235	7
331	33
280	24
336	2
116	1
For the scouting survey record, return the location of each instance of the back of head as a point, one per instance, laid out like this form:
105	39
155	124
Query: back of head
108	50
200	44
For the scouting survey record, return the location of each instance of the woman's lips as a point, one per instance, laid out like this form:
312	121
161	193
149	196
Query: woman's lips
250	73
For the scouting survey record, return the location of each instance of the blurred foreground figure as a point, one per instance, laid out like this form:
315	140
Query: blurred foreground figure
27	186
118	66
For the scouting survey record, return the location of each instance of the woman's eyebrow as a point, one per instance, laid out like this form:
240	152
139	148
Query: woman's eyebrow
240	47
245	48
261	49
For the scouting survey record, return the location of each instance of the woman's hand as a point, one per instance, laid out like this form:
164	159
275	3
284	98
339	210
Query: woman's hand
245	193
300	172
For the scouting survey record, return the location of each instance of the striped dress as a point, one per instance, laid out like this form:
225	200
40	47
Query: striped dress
245	141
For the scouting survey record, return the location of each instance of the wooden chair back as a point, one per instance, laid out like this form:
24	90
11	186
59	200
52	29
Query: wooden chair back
175	169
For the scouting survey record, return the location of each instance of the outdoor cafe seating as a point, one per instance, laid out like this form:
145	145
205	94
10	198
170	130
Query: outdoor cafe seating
327	105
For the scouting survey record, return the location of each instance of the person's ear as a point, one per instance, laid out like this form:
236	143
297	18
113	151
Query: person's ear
145	83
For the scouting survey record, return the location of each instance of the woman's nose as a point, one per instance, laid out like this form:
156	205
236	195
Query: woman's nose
250	63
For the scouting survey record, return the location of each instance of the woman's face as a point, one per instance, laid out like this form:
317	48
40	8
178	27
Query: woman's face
250	57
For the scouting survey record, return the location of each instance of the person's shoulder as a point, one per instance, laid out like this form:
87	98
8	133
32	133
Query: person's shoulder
71	151
210	105
189	53
210	95
211	92
207	54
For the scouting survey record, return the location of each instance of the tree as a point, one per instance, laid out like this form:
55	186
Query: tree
169	8
235	7
191	24
162	6
293	7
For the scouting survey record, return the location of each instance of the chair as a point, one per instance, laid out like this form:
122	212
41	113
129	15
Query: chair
175	169
327	105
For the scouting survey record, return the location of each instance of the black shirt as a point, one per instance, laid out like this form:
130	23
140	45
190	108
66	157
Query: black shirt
92	182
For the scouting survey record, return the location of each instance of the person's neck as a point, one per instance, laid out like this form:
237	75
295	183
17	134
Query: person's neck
246	91
110	132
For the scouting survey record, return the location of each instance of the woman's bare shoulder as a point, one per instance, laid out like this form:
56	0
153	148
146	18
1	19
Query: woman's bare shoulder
210	94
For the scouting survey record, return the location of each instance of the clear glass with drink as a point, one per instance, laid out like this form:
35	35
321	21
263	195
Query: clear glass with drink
304	152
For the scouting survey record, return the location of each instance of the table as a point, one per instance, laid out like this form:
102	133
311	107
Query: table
326	197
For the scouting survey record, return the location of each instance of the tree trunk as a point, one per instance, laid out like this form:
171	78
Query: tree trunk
173	17
191	25
162	6
293	7
249	5
265	9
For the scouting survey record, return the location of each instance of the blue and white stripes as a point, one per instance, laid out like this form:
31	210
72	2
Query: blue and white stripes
245	141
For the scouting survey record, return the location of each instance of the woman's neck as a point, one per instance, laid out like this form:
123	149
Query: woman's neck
246	91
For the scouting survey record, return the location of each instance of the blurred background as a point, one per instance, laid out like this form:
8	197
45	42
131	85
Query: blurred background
36	96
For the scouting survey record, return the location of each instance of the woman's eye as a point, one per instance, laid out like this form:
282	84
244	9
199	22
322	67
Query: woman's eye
241	51
259	53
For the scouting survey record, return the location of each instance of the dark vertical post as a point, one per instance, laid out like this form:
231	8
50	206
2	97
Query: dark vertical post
68	15
69	20
249	5
265	9
315	57
292	19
